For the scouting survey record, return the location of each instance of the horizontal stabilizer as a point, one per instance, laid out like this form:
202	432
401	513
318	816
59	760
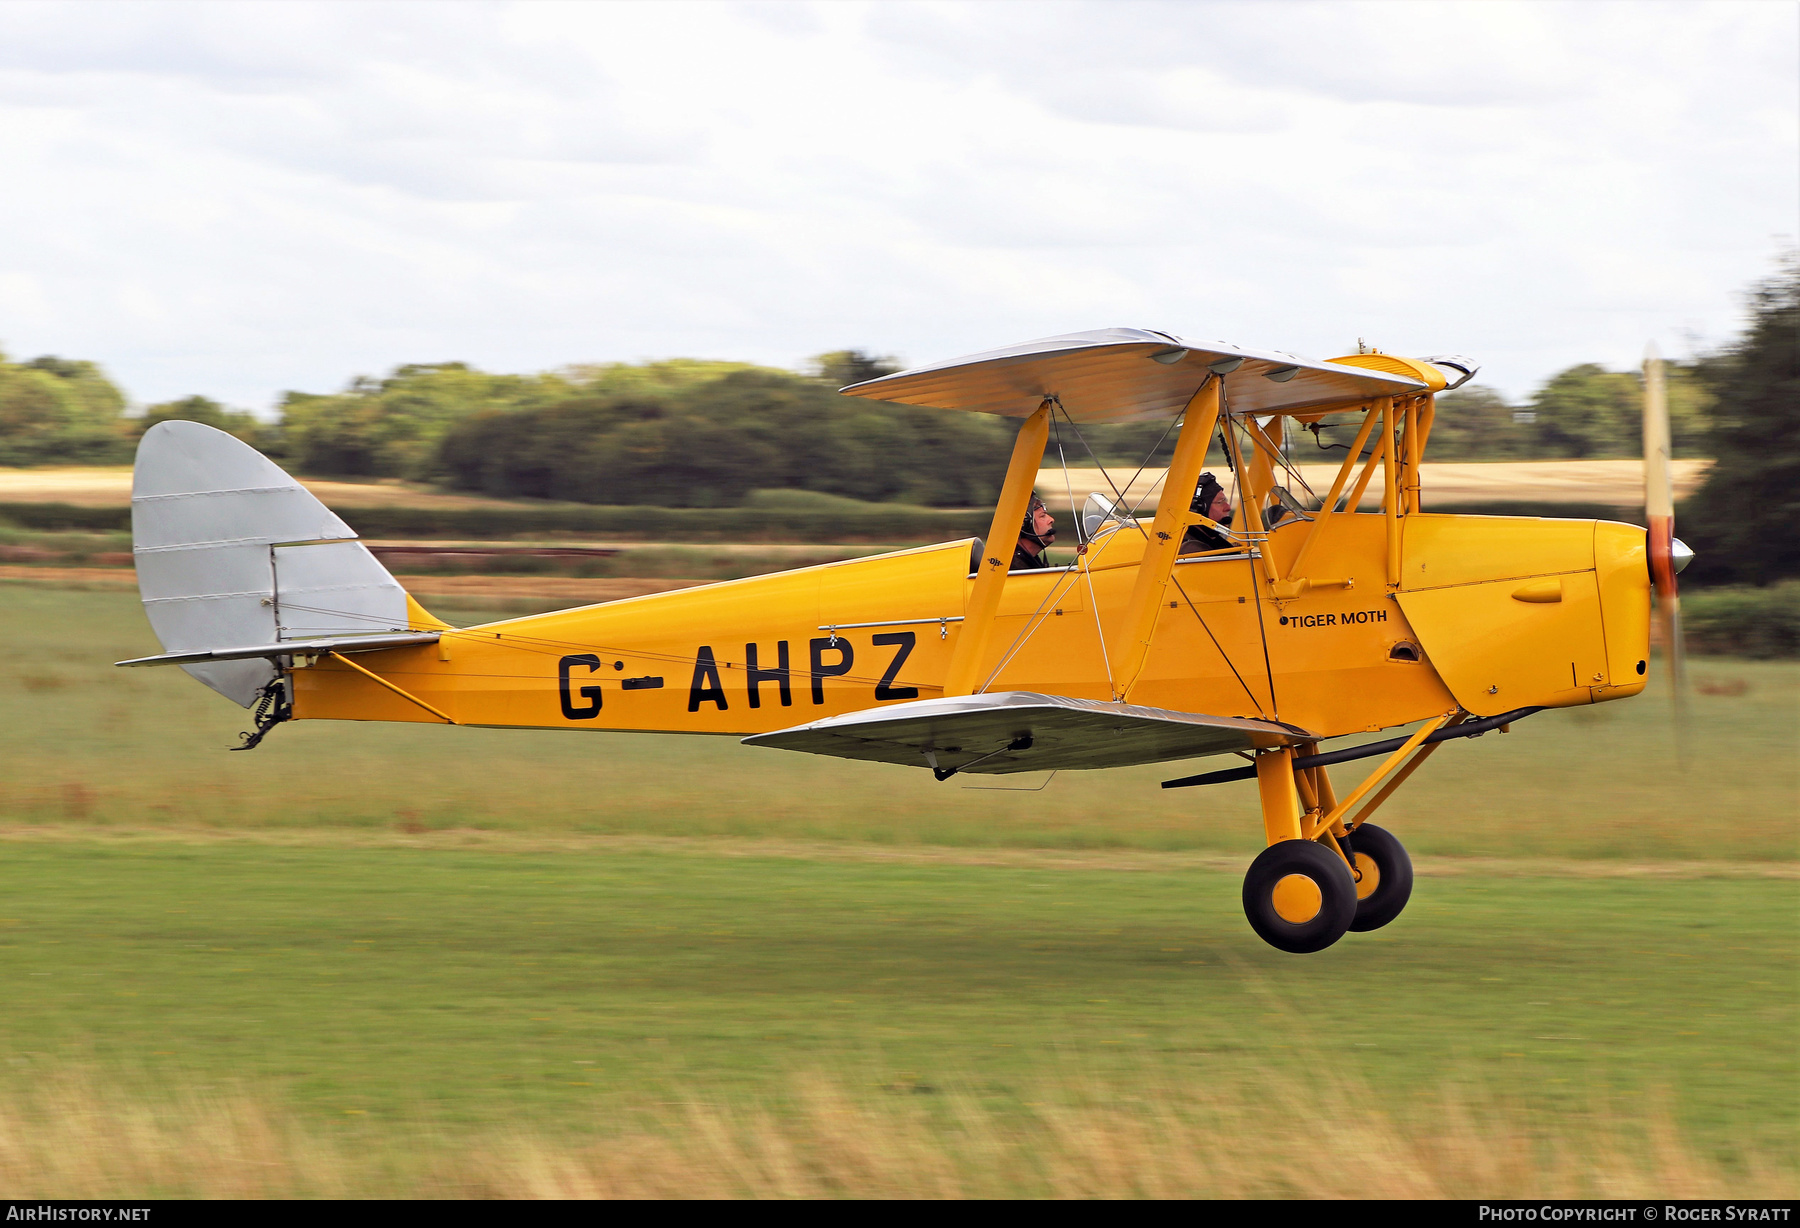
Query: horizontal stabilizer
287	648
1021	731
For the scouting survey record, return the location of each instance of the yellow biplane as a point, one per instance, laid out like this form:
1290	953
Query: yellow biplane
1304	619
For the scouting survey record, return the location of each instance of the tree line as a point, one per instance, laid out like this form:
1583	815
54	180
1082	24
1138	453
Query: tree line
677	433
686	432
690	433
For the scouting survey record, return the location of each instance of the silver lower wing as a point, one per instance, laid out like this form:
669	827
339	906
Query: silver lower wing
1021	731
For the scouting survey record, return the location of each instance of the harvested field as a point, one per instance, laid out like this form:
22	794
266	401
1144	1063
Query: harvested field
110	485
539	592
718	560
1617	482
81	578
555	591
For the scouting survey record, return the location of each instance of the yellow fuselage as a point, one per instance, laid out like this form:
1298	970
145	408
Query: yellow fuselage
1490	614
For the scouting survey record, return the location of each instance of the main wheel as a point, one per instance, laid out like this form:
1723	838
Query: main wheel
1299	896
1387	876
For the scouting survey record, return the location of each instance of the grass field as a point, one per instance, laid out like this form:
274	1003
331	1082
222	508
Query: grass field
469	990
386	959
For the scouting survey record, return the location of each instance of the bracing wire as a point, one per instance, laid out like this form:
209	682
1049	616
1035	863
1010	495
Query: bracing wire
1031	625
1154	449
1014	788
1084	560
1118	496
1237	460
549	647
1038	616
1225	656
1068	482
1287	464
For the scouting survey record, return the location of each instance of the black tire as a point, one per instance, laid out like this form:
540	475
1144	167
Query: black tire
1382	858
1308	883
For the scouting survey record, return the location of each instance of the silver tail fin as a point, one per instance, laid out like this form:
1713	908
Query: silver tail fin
231	552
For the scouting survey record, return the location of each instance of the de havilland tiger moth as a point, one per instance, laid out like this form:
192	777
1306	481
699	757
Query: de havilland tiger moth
1295	620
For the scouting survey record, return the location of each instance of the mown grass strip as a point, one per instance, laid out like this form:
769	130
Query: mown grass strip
480	986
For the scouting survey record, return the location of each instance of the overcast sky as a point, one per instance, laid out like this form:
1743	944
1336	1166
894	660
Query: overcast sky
236	199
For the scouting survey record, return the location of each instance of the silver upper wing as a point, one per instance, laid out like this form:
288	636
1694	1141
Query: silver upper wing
1128	374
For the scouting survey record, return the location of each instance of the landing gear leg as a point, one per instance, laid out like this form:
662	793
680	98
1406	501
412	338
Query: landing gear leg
1377	861
1299	895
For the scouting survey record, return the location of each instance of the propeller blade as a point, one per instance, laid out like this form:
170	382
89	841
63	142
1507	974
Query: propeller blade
1677	654
1668	624
1659	491
1659	520
1668	628
1659	487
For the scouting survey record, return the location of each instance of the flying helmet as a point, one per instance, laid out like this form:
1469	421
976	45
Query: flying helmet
1208	490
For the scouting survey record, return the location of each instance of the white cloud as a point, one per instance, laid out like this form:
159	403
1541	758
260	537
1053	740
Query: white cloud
239	198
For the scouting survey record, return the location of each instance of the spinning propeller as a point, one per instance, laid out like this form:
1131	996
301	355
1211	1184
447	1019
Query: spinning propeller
1668	554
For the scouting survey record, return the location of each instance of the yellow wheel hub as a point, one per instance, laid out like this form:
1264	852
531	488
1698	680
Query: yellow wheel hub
1297	899
1371	876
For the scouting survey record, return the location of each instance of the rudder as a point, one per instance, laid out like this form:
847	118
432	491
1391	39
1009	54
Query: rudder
232	552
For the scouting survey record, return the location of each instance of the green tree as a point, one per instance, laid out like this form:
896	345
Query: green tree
1691	402
1590	412
1476	424
237	422
392	427
1741	523
841	368
619	449
860	448
60	410
1585	412
668	375
709	443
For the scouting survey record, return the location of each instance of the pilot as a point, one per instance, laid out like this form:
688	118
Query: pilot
1211	501
1035	536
